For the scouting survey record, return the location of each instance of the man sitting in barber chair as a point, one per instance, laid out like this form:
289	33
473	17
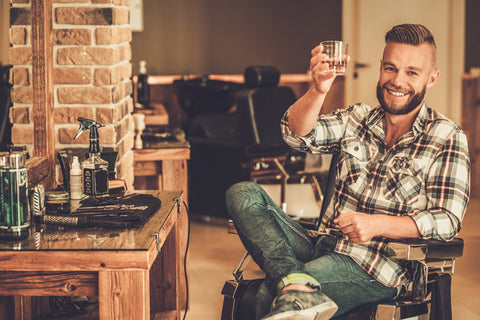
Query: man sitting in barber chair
403	172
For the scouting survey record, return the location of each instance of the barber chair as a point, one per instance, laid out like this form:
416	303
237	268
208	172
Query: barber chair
212	132
429	296
202	95
267	158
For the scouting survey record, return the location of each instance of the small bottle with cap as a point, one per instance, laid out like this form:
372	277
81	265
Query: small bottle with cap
75	180
143	94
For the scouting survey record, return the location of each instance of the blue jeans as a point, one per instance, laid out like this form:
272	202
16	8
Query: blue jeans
280	246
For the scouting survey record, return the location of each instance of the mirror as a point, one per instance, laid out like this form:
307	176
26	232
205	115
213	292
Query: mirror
200	37
42	110
41	164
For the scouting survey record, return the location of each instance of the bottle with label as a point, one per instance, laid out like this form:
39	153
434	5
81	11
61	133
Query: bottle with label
75	180
15	214
143	94
94	169
95	175
4	190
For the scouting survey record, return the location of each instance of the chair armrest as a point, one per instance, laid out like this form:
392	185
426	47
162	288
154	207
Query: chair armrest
416	249
413	249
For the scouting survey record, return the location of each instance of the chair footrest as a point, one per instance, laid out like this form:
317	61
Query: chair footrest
402	310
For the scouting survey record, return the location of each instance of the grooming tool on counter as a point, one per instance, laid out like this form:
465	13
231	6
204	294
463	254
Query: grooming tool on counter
85	221
38	200
95	169
14	203
118	208
126	211
111	216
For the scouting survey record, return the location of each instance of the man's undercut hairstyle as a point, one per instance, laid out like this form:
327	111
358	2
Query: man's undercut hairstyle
413	34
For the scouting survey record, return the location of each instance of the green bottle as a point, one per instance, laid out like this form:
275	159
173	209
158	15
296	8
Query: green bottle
4	190
15	222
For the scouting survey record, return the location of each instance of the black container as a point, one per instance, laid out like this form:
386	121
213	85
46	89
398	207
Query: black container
143	89
57	202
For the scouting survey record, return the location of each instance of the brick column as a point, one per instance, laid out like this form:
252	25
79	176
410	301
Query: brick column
92	76
20	56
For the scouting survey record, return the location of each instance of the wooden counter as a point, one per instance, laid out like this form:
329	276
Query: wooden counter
134	271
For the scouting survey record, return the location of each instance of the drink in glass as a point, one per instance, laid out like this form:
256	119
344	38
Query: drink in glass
336	52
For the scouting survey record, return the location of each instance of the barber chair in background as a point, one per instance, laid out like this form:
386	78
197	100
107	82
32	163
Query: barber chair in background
201	95
283	172
5	103
234	134
428	297
212	131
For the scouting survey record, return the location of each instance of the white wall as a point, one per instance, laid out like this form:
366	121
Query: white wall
225	36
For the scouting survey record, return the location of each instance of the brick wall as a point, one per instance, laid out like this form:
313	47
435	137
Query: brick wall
92	76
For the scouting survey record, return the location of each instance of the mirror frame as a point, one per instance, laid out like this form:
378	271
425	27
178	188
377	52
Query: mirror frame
41	167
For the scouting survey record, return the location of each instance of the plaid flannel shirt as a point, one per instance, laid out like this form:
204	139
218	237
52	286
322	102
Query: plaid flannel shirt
425	175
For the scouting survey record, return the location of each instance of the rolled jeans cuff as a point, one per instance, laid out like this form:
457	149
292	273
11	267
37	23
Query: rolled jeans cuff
298	278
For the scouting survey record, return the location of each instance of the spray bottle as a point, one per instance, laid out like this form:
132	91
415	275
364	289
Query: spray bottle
95	169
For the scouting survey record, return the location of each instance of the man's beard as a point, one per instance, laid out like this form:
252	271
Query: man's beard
409	107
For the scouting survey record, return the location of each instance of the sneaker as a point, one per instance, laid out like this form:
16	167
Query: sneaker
301	305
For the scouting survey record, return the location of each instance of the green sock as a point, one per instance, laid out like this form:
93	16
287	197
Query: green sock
298	278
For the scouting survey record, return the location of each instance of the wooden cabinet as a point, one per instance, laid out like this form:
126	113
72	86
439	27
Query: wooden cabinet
166	169
133	271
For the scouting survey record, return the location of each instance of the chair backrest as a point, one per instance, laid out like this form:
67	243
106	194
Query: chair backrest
261	106
202	95
329	188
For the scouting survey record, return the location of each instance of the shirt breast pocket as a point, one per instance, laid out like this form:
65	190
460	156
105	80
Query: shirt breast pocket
355	158
404	183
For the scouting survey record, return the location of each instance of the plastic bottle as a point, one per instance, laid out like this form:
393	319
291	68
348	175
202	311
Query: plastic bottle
75	180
